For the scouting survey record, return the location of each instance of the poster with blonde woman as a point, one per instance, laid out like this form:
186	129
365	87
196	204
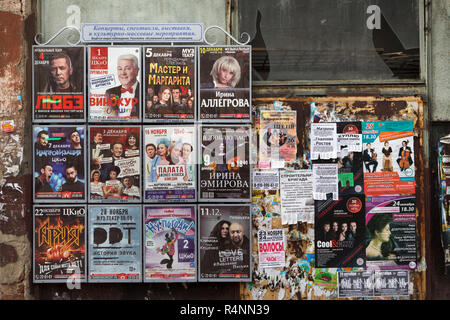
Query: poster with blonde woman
225	83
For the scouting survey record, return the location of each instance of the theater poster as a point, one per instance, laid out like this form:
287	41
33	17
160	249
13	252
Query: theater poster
388	158
224	243
115	250
169	84
391	232
224	166
58	84
277	138
114	84
340	232
225	84
115	164
58	163
170	163
170	243
59	246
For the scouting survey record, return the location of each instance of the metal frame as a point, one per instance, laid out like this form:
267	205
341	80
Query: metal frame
195	151
200	157
139	250
250	236
88	92
44	201
169	205
34	243
112	201
195	82
62	120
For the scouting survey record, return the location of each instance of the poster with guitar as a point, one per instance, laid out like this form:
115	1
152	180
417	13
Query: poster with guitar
388	157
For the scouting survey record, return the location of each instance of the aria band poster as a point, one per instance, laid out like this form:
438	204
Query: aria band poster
59	246
115	251
225	83
340	232
170	243
170	163
114	83
170	84
224	243
59	162
58	83
224	164
115	163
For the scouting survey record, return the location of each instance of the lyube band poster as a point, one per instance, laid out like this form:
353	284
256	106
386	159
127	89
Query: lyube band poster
340	233
225	83
59	162
224	164
115	251
170	163
115	163
224	242
114	83
169	243
58	83
388	158
170	84
59	243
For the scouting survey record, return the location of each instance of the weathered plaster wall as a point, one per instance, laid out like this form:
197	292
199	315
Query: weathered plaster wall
17	24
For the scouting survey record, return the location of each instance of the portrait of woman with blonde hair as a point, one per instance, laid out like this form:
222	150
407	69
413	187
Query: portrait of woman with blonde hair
226	72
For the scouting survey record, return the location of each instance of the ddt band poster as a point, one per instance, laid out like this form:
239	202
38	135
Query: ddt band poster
224	243
114	75
59	243
170	243
170	84
225	83
58	83
59	162
340	233
170	163
114	163
391	232
224	163
115	251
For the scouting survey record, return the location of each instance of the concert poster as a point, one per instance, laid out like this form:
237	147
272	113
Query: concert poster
224	167
58	83
169	84
225	84
277	138
114	75
170	243
224	243
59	253
115	250
391	232
58	163
340	232
388	158
114	164
170	163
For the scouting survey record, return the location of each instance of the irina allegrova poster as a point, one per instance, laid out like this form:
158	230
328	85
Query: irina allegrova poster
170	163
115	163
224	165
58	83
225	83
170	84
170	243
224	242
115	250
59	246
58	163
114	83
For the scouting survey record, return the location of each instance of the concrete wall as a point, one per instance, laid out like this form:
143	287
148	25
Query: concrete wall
16	23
